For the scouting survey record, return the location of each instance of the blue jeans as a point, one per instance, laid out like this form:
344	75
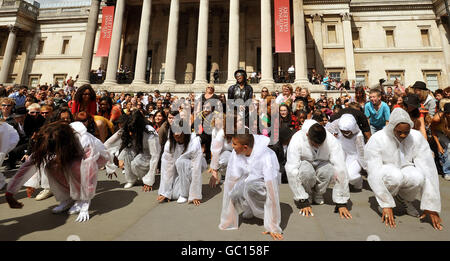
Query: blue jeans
445	161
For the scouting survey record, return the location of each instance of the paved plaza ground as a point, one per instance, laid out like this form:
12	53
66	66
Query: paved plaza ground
130	214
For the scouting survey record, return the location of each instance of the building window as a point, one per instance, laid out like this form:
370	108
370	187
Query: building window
432	79
331	34
34	80
425	37
19	48
361	78
40	49
355	37
335	73
59	78
65	46
395	75
390	38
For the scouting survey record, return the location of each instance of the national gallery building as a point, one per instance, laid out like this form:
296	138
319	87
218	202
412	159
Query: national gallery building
181	45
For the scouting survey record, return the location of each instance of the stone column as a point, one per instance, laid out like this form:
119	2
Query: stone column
171	50
89	40
144	29
233	42
348	45
301	70
215	55
446	49
266	45
202	44
114	49
318	50
9	52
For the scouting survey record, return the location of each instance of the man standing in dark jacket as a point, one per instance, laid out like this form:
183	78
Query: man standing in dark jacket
241	90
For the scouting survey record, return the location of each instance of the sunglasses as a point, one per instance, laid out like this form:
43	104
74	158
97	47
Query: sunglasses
33	112
264	91
45	112
7	105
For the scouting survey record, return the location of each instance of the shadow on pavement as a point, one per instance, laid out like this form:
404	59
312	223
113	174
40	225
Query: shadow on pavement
286	212
111	200
208	192
106	185
38	221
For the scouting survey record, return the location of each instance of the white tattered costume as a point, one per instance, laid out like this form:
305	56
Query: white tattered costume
136	166
220	151
353	147
251	186
113	148
8	141
77	182
402	168
311	170
181	171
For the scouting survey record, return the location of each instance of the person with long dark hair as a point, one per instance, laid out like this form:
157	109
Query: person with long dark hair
109	110
159	119
139	151
182	165
71	157
85	100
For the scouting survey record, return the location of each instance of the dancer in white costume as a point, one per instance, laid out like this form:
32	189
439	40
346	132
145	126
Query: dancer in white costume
401	167
221	149
251	185
8	141
351	139
314	160
138	152
182	165
71	157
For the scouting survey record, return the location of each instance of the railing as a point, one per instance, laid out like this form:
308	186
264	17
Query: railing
23	6
218	77
284	77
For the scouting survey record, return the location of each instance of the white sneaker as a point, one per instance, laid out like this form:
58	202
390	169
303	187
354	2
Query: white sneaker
182	200
63	206
447	177
318	199
128	185
408	206
76	208
46	193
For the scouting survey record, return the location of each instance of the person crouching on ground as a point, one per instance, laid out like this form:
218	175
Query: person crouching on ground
352	141
314	159
182	165
71	157
251	185
401	167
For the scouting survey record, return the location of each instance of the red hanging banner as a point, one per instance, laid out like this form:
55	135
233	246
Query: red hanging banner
106	32
282	26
